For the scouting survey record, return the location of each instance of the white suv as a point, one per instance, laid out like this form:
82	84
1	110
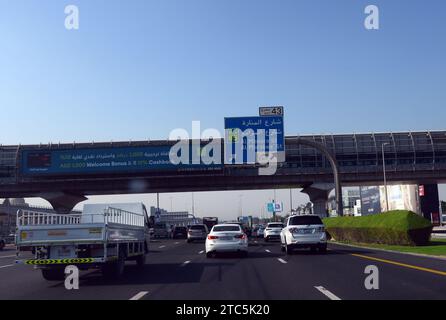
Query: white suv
272	231
306	231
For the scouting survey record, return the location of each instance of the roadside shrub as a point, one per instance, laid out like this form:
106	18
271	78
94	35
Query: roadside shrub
399	227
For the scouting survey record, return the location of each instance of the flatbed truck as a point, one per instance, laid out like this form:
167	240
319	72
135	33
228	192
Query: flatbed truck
103	236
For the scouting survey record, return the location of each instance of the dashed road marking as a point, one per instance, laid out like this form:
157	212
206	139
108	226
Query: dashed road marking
267	250
327	293
8	265
160	247
139	295
185	263
176	242
201	252
281	260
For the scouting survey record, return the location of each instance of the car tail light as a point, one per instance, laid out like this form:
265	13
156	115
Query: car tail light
212	237
240	236
267	229
294	230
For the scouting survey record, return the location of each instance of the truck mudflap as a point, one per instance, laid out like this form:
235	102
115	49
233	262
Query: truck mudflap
62	261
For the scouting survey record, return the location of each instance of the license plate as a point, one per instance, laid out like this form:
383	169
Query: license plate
307	231
225	238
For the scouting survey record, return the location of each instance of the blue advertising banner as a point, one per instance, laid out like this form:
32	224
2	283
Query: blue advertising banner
103	160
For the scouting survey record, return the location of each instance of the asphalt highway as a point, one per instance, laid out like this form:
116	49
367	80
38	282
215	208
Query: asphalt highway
178	270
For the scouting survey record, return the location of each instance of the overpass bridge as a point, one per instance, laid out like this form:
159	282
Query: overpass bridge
410	157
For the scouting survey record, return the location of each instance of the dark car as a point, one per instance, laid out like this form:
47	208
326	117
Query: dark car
179	233
197	232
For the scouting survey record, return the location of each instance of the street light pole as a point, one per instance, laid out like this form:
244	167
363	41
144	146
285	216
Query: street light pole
291	201
384	173
193	204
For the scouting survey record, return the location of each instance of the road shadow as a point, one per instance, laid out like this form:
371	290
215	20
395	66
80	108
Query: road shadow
163	273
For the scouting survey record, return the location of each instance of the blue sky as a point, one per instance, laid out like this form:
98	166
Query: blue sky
138	69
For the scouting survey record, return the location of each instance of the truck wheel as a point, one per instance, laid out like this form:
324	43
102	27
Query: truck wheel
53	274
115	269
141	260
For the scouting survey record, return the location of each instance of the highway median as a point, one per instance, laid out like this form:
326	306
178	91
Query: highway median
395	228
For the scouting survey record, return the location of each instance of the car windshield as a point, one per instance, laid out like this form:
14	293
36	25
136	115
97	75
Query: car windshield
275	225
304	220
226	228
197	227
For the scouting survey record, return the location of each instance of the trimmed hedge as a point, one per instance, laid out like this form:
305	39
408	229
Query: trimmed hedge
399	227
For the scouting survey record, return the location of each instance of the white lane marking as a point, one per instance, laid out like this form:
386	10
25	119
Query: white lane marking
267	250
327	293
281	260
176	242
8	265
160	247
202	251
13	256
185	263
139	295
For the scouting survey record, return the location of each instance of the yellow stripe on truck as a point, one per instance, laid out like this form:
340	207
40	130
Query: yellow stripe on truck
59	261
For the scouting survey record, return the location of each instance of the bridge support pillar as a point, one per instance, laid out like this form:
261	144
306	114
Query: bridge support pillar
62	202
318	193
429	201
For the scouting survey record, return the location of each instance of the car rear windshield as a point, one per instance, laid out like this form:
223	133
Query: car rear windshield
275	225
226	228
299	221
180	228
197	227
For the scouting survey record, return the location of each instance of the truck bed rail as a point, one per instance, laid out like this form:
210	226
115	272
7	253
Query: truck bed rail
110	215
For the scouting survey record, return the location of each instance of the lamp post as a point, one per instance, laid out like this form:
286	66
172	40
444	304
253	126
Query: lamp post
193	204
384	172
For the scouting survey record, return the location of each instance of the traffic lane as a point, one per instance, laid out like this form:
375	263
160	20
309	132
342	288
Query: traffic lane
7	251
24	282
412	280
425	262
228	276
344	275
163	267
